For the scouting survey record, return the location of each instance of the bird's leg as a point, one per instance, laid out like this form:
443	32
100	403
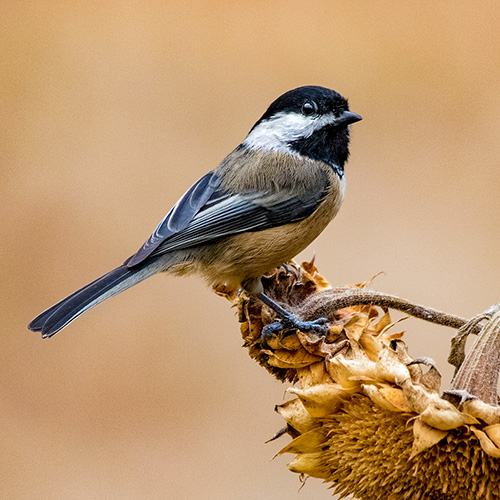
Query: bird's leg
289	323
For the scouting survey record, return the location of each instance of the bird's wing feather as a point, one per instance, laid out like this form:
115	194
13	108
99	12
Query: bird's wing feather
224	214
179	217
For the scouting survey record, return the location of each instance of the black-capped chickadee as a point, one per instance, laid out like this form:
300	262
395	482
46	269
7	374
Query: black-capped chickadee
265	203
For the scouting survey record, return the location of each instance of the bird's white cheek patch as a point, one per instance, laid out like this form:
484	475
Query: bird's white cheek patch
275	134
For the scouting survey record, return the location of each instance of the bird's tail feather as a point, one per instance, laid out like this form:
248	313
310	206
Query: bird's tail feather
67	310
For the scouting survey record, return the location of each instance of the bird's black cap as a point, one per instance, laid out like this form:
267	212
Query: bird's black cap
327	101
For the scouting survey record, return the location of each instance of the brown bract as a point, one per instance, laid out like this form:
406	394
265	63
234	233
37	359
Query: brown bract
365	416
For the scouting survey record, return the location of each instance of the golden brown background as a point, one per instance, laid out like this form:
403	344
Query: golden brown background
109	111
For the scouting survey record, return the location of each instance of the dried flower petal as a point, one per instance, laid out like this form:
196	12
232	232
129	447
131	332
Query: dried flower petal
486	443
443	415
310	464
306	443
348	372
356	326
321	400
389	367
321	282
425	436
482	411
289	342
389	398
296	416
493	432
285	359
313	374
370	345
383	324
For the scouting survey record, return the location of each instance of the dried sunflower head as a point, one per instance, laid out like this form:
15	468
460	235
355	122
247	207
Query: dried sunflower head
367	418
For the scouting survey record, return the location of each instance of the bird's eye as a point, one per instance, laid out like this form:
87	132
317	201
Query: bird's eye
309	108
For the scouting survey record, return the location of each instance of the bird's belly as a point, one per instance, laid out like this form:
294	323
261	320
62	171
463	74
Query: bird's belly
250	255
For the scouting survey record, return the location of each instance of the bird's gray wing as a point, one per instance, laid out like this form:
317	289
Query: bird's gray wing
224	214
179	217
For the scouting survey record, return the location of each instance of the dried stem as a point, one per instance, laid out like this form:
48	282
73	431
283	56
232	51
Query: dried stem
326	302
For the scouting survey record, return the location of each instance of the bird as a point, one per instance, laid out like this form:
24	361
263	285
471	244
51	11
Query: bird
263	204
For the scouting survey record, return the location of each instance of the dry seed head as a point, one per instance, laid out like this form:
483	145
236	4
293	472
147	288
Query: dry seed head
368	419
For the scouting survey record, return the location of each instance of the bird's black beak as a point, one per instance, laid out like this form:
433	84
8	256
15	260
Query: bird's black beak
347	117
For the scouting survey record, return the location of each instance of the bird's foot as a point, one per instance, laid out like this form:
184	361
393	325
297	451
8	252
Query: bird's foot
290	325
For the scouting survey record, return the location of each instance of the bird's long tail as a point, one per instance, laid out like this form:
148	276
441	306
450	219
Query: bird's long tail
67	310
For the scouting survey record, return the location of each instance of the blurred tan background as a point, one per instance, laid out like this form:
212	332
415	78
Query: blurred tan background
109	111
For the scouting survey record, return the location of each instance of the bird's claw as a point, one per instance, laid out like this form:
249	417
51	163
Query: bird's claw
290	325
